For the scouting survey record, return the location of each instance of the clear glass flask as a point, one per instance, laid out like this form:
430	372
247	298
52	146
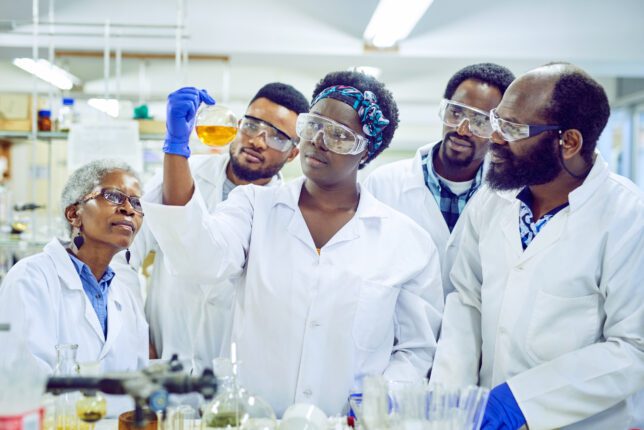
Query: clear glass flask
216	125
65	409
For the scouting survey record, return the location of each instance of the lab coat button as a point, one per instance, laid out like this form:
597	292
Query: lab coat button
315	324
307	392
519	268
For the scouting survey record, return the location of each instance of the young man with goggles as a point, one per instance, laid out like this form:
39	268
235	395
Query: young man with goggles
265	142
433	187
318	306
548	310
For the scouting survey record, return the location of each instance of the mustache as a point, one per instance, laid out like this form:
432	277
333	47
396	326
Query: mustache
451	134
501	152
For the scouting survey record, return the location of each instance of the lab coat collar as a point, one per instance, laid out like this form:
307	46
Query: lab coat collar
414	179
368	207
596	177
70	279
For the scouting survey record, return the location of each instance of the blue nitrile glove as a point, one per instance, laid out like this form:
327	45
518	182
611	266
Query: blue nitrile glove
181	113
502	411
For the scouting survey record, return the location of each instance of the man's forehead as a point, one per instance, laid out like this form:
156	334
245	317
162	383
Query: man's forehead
264	109
527	97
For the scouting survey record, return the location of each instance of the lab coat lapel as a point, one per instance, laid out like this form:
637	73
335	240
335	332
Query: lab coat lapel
548	236
70	279
289	196
114	319
510	228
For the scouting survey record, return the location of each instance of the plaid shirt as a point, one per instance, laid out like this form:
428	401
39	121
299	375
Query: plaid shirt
528	227
450	204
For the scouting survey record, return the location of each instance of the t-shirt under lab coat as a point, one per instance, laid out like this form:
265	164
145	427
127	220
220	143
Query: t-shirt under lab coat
308	327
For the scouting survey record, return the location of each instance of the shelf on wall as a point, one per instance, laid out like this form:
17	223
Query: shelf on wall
62	135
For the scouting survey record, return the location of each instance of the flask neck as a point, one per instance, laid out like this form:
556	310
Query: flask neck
66	363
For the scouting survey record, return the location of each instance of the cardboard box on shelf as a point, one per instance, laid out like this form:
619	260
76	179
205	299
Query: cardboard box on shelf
15	112
151	126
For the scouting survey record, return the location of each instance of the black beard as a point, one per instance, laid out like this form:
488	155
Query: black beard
540	165
249	175
456	162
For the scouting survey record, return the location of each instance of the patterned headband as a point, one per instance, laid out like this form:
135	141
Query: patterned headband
366	104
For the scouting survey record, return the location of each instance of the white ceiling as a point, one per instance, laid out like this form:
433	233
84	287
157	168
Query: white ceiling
298	41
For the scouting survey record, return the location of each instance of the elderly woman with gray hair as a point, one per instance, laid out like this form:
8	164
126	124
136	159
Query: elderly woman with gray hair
68	294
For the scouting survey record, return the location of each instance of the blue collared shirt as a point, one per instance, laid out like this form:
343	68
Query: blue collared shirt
96	291
450	204
528	227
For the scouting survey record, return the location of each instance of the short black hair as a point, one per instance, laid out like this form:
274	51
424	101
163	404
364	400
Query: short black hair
579	102
283	95
364	82
488	73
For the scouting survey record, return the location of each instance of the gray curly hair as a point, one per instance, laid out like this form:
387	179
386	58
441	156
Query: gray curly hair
87	177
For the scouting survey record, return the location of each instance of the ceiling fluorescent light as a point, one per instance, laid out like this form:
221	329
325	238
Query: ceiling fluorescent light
48	72
109	106
393	20
367	70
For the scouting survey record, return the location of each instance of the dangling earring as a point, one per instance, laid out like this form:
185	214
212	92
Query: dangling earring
79	240
127	255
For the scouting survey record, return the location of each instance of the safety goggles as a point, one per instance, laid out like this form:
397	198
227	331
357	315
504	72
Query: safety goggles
336	137
115	197
511	131
454	113
273	136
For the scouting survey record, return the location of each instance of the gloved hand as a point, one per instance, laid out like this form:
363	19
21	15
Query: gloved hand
502	411
181	113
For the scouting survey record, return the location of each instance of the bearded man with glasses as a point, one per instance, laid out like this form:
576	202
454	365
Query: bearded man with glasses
180	312
549	306
433	187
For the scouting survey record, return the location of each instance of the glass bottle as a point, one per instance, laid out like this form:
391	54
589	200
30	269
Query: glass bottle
66	365
66	115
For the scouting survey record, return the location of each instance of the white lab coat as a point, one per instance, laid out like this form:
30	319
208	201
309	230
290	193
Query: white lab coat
308	327
561	322
190	319
401	185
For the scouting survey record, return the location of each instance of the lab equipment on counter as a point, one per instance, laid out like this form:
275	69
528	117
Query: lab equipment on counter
216	125
65	417
394	405
21	383
92	405
234	407
148	387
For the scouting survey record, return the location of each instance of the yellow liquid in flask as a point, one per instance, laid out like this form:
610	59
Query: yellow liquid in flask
216	135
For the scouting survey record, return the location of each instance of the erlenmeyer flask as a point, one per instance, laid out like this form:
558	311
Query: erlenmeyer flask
216	125
66	365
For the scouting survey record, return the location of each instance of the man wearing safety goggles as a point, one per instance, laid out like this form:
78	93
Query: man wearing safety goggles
549	306
265	142
434	187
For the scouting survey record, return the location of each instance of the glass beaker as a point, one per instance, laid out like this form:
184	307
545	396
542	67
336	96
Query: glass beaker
65	403
216	125
92	405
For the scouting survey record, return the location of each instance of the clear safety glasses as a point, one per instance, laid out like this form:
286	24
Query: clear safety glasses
115	197
453	114
273	136
511	131
337	138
